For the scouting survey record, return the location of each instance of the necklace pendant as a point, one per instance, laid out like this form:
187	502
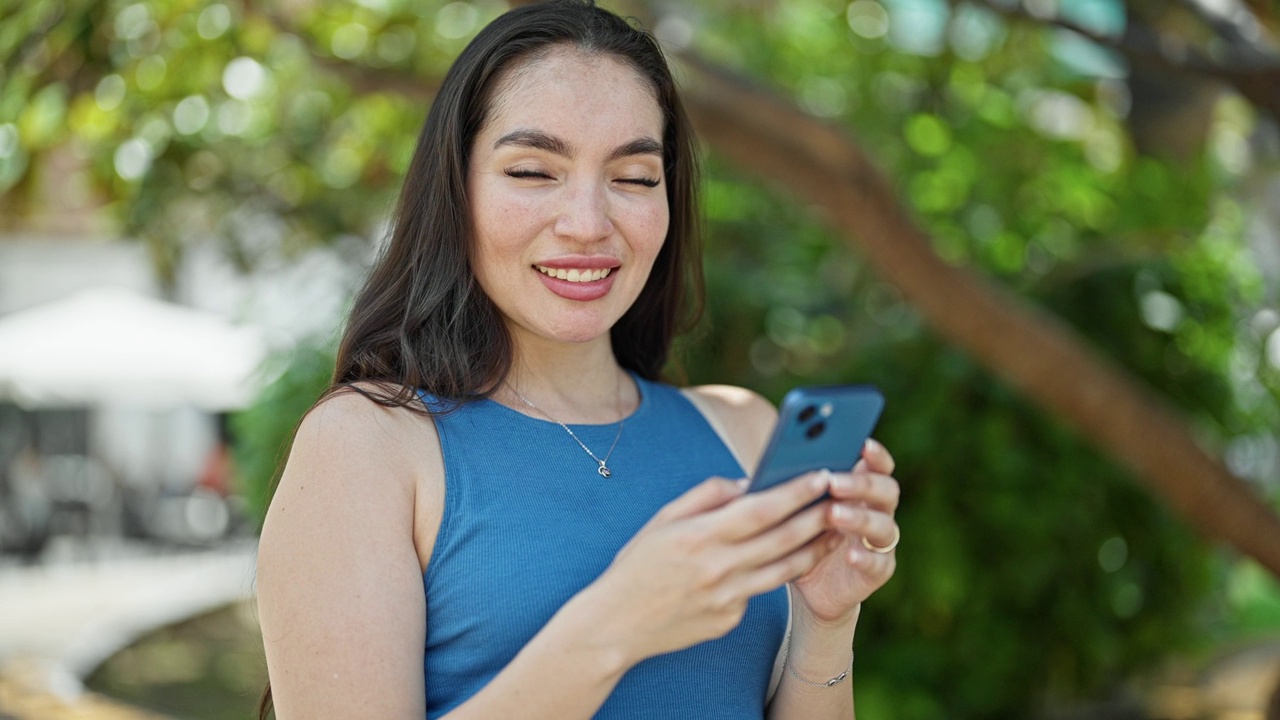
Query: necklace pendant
604	470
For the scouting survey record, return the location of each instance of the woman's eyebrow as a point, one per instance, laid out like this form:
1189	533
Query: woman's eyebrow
639	146
538	140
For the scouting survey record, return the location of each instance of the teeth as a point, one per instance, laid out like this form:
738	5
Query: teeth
575	274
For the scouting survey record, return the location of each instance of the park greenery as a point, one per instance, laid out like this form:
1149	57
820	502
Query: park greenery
1035	572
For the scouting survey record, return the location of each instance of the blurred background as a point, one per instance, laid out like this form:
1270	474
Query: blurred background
1049	230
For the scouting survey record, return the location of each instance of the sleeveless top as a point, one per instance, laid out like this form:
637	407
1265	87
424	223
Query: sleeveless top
528	522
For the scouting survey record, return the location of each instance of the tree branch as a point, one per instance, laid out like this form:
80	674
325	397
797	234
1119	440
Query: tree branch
1229	30
1257	79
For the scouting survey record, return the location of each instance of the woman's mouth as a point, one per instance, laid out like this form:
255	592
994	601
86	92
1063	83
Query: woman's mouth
581	284
575	275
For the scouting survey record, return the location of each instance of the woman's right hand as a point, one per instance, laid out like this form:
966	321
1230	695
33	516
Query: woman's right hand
687	575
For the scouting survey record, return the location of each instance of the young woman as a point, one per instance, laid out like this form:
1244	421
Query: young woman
499	511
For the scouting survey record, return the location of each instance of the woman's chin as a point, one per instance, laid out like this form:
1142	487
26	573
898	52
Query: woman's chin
584	337
577	333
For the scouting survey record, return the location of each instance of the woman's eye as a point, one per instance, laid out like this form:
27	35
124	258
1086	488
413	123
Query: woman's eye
527	174
647	182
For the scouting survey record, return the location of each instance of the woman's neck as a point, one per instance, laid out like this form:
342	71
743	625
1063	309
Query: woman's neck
568	382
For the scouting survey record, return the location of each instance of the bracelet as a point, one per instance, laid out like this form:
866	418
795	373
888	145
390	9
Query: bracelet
786	656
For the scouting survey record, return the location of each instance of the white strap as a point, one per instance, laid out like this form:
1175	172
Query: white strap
779	659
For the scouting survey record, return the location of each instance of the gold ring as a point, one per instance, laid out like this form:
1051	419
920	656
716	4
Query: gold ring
897	535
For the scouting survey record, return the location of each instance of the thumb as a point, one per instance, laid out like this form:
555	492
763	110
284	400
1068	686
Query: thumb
706	495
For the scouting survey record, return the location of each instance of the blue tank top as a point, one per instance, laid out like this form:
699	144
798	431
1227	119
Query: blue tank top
528	522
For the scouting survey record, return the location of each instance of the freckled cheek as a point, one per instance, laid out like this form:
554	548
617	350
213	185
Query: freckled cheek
646	229
508	225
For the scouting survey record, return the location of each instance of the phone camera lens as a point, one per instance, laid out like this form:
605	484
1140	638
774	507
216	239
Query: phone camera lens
815	430
807	414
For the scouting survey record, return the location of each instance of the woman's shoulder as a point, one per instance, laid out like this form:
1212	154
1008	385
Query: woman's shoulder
732	399
354	406
743	418
353	457
349	429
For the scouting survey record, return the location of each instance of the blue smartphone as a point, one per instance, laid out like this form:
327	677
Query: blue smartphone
818	427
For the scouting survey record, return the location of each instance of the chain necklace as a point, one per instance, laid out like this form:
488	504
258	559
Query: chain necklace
604	464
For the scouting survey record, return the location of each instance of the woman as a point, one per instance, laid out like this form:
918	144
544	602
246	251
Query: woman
524	522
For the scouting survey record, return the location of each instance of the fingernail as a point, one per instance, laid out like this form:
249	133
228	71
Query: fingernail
842	512
875	445
742	483
821	481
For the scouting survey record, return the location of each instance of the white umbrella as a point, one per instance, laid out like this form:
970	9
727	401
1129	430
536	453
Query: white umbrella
110	345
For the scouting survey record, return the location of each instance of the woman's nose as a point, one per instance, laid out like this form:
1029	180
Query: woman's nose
584	216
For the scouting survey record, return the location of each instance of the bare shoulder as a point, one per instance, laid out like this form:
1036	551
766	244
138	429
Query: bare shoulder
349	444
743	418
349	417
735	403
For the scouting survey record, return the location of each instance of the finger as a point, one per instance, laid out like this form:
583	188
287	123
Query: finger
873	489
878	457
783	539
878	566
706	495
754	513
877	527
785	569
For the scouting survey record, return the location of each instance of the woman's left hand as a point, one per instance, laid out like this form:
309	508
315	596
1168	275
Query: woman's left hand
862	506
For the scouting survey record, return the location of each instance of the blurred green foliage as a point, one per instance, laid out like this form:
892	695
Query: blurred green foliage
1033	571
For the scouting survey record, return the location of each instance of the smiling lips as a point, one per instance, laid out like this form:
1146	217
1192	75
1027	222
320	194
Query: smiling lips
577	283
575	275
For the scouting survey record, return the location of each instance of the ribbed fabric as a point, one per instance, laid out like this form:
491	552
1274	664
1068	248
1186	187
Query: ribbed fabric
528	523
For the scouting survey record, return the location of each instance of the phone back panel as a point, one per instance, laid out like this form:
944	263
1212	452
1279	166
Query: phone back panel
819	427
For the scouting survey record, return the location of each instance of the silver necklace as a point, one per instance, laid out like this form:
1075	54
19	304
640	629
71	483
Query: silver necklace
604	464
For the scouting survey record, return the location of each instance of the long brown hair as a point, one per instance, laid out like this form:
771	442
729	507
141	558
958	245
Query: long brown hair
421	319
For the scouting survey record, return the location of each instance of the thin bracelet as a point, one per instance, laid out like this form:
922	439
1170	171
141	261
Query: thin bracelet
786	656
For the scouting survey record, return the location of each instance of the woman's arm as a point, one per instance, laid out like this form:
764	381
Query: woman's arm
820	646
818	653
828	598
744	420
339	584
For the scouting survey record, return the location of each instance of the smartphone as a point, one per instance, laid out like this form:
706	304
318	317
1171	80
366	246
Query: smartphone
818	427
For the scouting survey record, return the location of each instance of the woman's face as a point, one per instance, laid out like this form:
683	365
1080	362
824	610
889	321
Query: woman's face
568	197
